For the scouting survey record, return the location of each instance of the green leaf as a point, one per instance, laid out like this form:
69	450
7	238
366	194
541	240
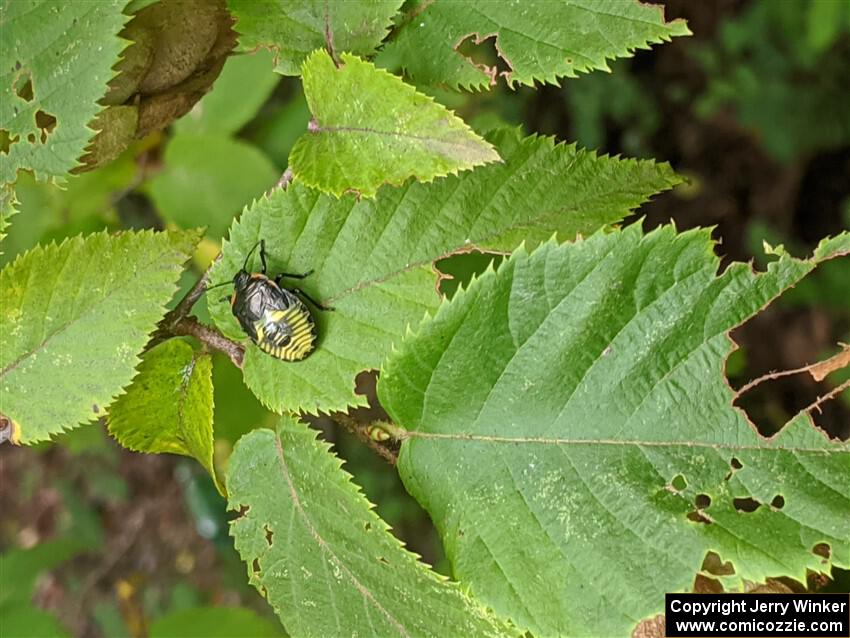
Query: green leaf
74	317
244	85
578	392
29	621
208	179
55	62
326	562
373	259
169	406
214	622
539	40
8	208
295	28
369	128
22	567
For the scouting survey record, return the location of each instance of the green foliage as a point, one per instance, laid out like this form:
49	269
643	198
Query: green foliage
169	406
83	204
213	622
74	318
370	255
55	63
293	28
221	174
539	40
369	128
327	563
243	86
29	621
785	82
592	377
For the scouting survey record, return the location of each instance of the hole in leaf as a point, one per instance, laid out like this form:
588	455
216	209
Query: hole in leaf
705	585
23	86
778	502
367	526
457	270
736	464
46	123
6	141
269	535
783	338
823	550
746	504
713	564
698	517
255	566
31	138
384	560
678	483
95	408
484	54
702	501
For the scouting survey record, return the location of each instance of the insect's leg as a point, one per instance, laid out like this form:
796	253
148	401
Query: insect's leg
290	275
263	254
300	292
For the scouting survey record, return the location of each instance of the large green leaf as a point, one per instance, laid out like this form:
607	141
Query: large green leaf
74	318
373	258
578	392
208	179
326	562
369	128
55	62
169	406
295	28
540	40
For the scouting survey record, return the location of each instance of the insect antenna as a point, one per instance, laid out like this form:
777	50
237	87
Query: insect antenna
223	283
248	256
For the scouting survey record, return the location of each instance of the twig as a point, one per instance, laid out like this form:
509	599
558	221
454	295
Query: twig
362	431
191	327
815	405
329	36
769	377
178	322
184	307
284	180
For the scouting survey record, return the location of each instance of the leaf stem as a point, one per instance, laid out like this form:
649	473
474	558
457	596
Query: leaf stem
179	323
387	448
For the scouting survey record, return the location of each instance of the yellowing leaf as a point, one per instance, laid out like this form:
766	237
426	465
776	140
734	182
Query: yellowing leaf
169	406
369	128
74	318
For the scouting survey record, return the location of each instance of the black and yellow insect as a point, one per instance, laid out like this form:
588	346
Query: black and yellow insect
274	317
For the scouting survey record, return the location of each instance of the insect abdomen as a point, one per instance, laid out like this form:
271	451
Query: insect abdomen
287	334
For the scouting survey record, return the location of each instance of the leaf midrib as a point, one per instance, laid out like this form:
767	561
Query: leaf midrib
61	329
323	545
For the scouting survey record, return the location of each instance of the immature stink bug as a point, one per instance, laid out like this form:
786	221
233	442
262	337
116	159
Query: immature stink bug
274	317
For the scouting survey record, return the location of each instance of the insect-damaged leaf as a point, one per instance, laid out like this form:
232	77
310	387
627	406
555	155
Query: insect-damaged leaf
578	392
74	317
539	40
372	258
55	62
169	406
328	564
369	128
295	28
